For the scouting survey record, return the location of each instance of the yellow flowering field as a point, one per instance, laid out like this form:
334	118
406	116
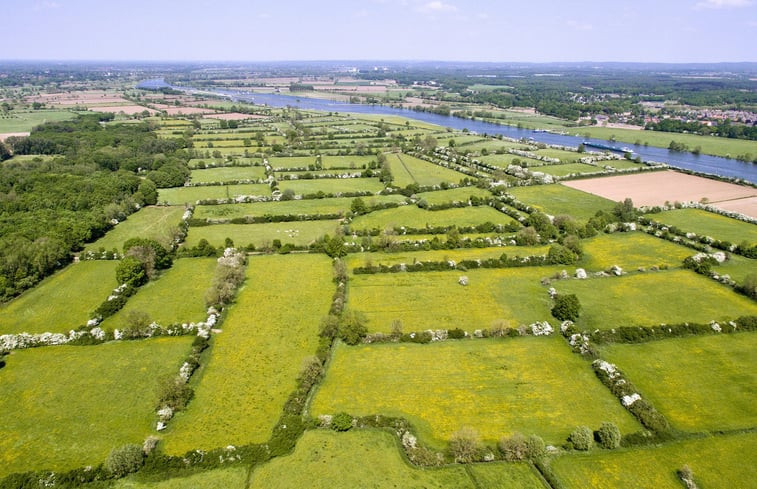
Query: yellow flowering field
631	251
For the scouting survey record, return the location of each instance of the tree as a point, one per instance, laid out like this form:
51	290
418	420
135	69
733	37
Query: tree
625	211
513	448
5	153
567	307
358	206
131	271
136	324
352	327
465	445
560	255
527	237
149	192
125	460
608	435
341	422
582	438
581	148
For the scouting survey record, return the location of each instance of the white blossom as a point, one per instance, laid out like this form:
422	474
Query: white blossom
628	400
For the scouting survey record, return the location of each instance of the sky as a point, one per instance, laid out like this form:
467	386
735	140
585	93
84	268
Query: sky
446	30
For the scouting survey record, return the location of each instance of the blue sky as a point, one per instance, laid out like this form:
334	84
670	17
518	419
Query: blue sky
473	30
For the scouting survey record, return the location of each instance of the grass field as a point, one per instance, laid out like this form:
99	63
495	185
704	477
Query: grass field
737	267
631	251
234	477
705	223
190	195
25	121
413	216
350	161
155	222
228	173
461	194
68	406
291	161
716	462
333	185
567	169
297	207
61	302
178	296
433	300
408	169
300	233
505	159
531	385
648	299
255	360
559	199
325	460
698	383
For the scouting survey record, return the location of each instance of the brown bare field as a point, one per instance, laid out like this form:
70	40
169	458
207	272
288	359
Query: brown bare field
234	116
87	97
6	135
186	110
656	188
126	109
746	206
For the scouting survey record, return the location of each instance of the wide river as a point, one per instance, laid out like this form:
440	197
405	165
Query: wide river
701	163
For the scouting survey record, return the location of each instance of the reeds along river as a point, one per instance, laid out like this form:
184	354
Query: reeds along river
700	163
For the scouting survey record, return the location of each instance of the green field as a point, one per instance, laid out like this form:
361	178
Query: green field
505	159
432	300
412	216
228	173
299	233
190	195
178	296
697	383
495	386
721	461
461	194
234	477
408	170
25	121
154	222
337	205
631	251
705	223
562	170
333	185
648	299
291	161
737	267
68	406
351	161
559	199
255	360
325	460
61	302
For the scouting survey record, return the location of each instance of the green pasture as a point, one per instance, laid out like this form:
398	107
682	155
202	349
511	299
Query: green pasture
190	195
506	159
408	170
177	296
300	233
61	302
737	267
295	207
720	461
460	194
255	360
234	477
332	185
697	383
283	162
412	216
630	251
227	173
349	161
68	406
435	300
559	199
705	223
25	121
652	298
567	169
154	222
497	386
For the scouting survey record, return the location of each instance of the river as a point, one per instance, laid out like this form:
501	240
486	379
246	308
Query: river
701	163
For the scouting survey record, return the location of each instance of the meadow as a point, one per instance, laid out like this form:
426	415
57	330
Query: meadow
52	424
61	302
415	217
697	383
460	194
648	299
190	195
715	461
324	460
299	233
154	222
25	121
705	223
332	185
177	296
227	173
234	477
407	170
562	170
254	362
435	300
630	251
497	386
559	199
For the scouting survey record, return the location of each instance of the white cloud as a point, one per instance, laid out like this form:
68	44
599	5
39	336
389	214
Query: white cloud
580	26
361	14
719	4
437	6
264	16
46	6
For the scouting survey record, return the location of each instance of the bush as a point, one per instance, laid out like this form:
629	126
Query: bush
341	422
465	445
131	271
456	333
560	255
567	307
174	393
125	460
535	447
608	435
513	448
581	438
352	327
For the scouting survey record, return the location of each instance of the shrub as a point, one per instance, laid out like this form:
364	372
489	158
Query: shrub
560	255
456	334
125	460
535	447
513	448
341	422
465	444
567	307
131	271
174	393
608	435
352	327
581	438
